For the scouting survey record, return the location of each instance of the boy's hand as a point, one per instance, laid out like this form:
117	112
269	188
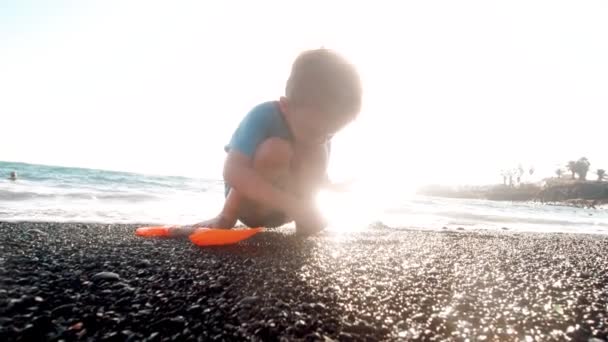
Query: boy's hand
308	220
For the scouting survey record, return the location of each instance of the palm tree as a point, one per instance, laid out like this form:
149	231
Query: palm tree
572	168
519	172
601	173
559	173
582	167
503	173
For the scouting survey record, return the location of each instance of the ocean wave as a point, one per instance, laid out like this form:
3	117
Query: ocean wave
60	193
7	195
21	196
514	216
71	177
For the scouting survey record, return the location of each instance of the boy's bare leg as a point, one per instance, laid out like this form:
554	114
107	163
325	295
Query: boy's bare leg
272	160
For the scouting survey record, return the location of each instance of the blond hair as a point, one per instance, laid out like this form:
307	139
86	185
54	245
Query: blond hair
324	80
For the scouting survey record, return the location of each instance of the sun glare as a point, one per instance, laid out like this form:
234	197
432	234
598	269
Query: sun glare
363	204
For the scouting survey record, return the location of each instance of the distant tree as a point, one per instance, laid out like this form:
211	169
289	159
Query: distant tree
601	173
572	168
519	172
582	167
531	171
559	173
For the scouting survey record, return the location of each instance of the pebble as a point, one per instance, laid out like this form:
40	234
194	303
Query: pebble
387	284
249	300
144	263
63	310
108	276
319	306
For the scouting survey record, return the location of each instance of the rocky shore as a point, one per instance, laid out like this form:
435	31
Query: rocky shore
67	281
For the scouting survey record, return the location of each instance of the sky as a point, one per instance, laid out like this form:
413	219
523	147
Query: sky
454	91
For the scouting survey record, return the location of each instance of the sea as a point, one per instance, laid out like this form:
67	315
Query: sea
68	194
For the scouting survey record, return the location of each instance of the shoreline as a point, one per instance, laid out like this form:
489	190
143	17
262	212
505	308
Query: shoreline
377	284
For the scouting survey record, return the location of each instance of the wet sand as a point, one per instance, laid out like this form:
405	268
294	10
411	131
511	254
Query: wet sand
100	282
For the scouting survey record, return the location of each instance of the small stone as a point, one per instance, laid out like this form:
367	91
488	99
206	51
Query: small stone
419	317
215	287
76	326
319	306
178	320
194	309
300	324
315	336
126	333
345	337
108	276
62	310
144	263
155	336
16	304
111	336
250	300
305	306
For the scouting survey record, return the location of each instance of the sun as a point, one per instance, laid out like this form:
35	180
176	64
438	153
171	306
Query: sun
365	203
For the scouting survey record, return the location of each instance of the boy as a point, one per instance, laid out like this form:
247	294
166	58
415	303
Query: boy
278	156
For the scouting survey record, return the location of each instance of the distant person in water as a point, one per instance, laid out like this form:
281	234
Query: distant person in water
278	156
13	176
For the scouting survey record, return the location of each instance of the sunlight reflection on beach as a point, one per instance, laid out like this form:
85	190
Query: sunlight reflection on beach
363	204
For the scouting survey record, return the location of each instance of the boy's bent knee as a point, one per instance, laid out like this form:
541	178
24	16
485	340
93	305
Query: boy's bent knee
273	153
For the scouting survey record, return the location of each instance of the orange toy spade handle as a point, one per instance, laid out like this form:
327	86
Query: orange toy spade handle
159	231
202	236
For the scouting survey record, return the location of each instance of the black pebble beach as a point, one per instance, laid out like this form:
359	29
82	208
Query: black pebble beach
67	281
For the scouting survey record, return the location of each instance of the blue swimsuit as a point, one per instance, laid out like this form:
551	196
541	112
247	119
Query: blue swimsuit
262	122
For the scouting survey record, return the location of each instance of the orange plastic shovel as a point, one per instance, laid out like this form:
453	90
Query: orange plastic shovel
159	231
203	236
218	237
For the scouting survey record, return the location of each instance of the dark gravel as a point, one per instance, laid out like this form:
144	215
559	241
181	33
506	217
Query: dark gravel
100	282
